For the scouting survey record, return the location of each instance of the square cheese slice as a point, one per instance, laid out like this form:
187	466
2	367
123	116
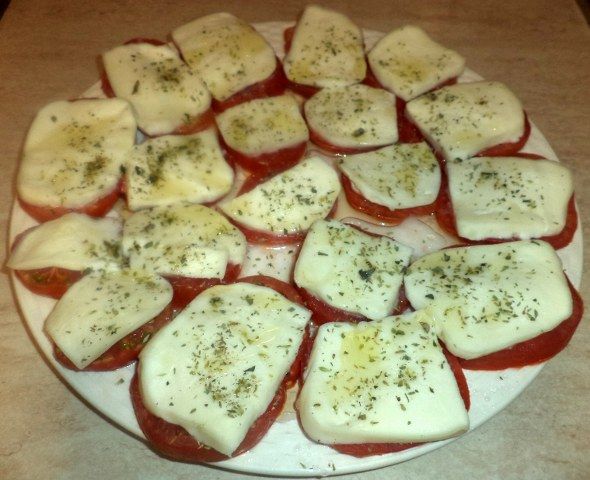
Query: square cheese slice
386	381
74	152
327	50
491	297
355	116
351	270
164	91
464	119
508	197
400	176
217	366
185	240
226	52
177	168
409	63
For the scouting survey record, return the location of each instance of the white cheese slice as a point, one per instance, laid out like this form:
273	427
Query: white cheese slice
263	125
177	168
385	381
74	151
400	176
356	116
290	201
409	63
185	240
327	50
164	91
101	309
226	52
73	241
464	119
217	366
351	270
491	297
507	197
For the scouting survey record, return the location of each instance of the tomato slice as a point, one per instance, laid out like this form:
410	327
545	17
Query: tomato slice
538	349
197	124
125	350
272	86
98	208
508	148
50	282
445	216
303	90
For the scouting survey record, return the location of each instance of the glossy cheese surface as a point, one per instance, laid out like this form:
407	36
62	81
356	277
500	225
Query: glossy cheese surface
226	52
164	91
263	125
185	240
290	201
356	116
490	297
379	382
464	119
327	50
351	270
101	309
216	367
73	241
177	168
405	175
507	197
74	151
409	63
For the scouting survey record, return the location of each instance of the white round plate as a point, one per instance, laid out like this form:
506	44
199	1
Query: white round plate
285	450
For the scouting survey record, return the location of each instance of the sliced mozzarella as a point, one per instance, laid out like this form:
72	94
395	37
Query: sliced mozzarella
290	201
355	116
409	63
405	175
103	308
217	366
163	90
487	298
263	125
351	270
74	152
177	168
464	119
507	197
327	50
385	381
73	241
226	52
186	240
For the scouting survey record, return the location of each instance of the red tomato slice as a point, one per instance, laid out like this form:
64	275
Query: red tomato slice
125	350
98	208
303	90
445	216
50	282
272	86
538	349
197	124
508	148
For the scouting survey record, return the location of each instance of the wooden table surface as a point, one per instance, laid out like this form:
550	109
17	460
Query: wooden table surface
540	49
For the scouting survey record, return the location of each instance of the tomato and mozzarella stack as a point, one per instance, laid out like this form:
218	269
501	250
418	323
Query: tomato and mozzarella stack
72	157
218	366
166	95
409	63
264	135
507	198
490	298
177	168
467	119
326	50
230	56
352	118
393	182
282	209
379	382
346	274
